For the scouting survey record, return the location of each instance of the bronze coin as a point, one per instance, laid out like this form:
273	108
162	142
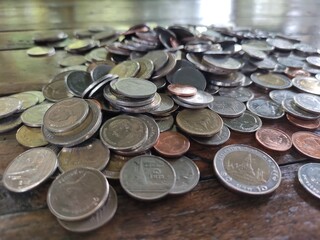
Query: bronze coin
274	139
307	143
294	72
182	90
306	124
172	144
30	137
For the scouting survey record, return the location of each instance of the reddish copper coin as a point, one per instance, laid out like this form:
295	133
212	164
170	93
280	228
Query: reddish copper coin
294	72
307	143
172	144
306	124
182	90
274	139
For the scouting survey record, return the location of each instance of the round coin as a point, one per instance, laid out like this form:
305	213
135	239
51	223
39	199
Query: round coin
72	61
10	123
271	80
40	51
77	82
126	69
274	139
33	117
114	166
246	123
307	84
314	60
159	58
190	76
227	107
201	98
182	90
135	87
279	95
309	177
308	102
265	108
307	143
217	139
241	94
9	106
56	91
165	106
291	108
146	68
27	99
30	137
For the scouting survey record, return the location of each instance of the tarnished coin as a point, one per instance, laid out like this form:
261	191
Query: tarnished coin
92	154
309	177
27	99
172	144
114	166
30	137
307	143
147	177
190	76
77	82
56	91
308	102
80	45
72	60
200	98
279	95
168	67
290	62
225	63
227	107
97	54
291	108
246	123
135	87
123	132
100	71
199	122
182	90
165	106
217	139
265	108
52	36
271	80
187	175
307	84
306	124
165	123
40	51
314	60
126	69
241	94
159	58
103	80
9	123
254	53
179	64
274	139
247	170
66	115
39	95
98	219
33	117
30	169
9	106
77	194
266	64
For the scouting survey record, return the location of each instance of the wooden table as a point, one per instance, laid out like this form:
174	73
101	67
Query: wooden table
208	212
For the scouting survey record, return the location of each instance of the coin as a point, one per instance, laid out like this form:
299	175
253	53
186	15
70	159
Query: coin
30	137
10	123
266	64
56	91
135	87
94	84
306	124
159	58
246	123
33	117
313	60
126	69
147	177
257	44
308	102
271	80
281	44
274	139
115	165
9	106
248	170
265	108
227	107
294	72
217	139
72	61
40	51
179	64
291	108
201	98
308	175
254	53
97	54
279	95
190	76
231	80
241	94
307	143
100	71
172	144
307	84
311	68
199	122
39	95
52	36
92	154
182	90
77	82
146	68
77	194
290	62
168	67
30	169
187	175
27	99
225	63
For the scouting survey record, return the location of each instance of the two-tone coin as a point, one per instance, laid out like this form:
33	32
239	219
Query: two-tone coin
246	123
307	84
265	108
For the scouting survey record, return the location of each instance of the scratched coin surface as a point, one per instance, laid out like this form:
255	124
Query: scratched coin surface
265	108
77	194
308	102
307	143
33	117
246	123
306	124
30	137
147	177
241	94
274	139
309	177
227	106
9	106
248	170
30	169
217	139
187	175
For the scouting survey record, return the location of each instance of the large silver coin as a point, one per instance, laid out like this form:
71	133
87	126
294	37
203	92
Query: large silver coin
77	194
309	177
308	102
147	177
225	63
271	80
33	117
231	80
135	87
200	98
227	107
30	169
314	60
265	108
217	139
281	43
9	106
241	94
247	170
190	76
28	99
187	175
279	95
246	123
291	108
307	84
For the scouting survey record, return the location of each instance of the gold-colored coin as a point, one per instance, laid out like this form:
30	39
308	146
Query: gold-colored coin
126	69
199	122
146	68
30	137
115	165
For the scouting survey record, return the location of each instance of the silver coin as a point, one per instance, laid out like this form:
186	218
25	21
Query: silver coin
279	95
108	78
227	107
30	169
27	99
56	91
39	95
159	58
311	68
187	175
265	108
186	105
97	54
179	64
307	84
9	106
280	43
291	108
305	48
308	102
313	60
265	64
33	117
9	123
72	60
100	71
200	98
98	219
246	123
135	87
147	177
271	80
77	194
231	80
225	63
77	82
241	94
309	177
247	170
165	123
260	45
217	139
190	76
290	62
254	53
165	106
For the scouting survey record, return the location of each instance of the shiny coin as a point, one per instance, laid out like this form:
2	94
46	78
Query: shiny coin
290	62
311	68
231	80
306	124
40	51
77	194
190	76
305	48
217	139
254	53
27	99
30	169
9	106
98	219
279	95
147	177
307	84
126	69
146	68
92	154
274	139
165	106
225	63
199	122
227	107
308	102
72	61
265	108
291	108
260	45
271	80
266	64
309	177
77	82
200	98
10	123
246	123
172	144
182	90
159	58
56	91
33	117
187	175
115	164
314	60
52	36
241	94
307	143
281	44
30	137
165	123
247	170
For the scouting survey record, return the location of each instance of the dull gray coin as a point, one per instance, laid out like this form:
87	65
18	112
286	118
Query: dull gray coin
27	99
309	177
33	117
9	106
227	107
135	87
190	76
72	60
100	71
291	108
10	123
241	94
265	108
201	98
217	139
56	91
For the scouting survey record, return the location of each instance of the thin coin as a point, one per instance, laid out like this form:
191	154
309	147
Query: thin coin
246	123
159	58
167	68
77	82
290	62
56	91
291	108
274	139
33	117
182	90
72	61
30	137
308	102
294	72
165	123
217	139
126	69
165	106
279	95
307	143
9	106
227	107
135	87
271	80
281	43
306	124
225	63
9	123
27	99
265	108
309	177
200	98
52	36
30	169
241	94
234	79
39	94
313	60
307	84
190	76
114	166
179	64
40	51
100	71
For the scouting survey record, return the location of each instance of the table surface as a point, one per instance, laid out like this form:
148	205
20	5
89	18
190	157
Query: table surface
210	211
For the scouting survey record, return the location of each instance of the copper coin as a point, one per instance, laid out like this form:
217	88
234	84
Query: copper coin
274	139
306	124
294	72
307	143
172	144
182	90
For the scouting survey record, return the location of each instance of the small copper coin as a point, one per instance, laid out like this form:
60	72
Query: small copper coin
182	90
307	143
306	124
274	139
172	144
294	72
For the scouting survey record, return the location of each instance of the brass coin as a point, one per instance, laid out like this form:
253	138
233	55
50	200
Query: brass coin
40	51
159	58
56	91
114	166
30	137
126	69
